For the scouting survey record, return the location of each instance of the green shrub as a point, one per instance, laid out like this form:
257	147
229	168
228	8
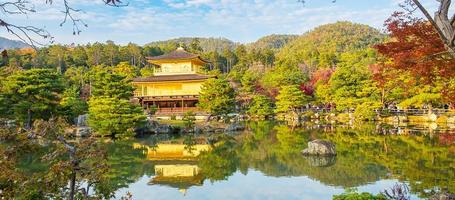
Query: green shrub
260	107
153	109
290	98
352	195
343	117
308	114
366	111
189	119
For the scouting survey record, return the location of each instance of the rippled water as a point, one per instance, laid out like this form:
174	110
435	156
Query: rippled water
264	162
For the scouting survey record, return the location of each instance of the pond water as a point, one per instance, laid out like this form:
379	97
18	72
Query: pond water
264	162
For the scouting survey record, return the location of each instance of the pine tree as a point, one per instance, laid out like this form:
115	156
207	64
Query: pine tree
217	97
261	106
33	94
110	110
290	98
113	117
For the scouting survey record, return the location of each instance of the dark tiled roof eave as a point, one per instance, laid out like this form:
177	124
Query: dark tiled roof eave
181	58
176	55
164	78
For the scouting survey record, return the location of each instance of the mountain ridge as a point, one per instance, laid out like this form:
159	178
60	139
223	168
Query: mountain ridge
6	43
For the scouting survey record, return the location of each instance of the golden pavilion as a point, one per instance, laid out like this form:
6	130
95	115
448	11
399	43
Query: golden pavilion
176	83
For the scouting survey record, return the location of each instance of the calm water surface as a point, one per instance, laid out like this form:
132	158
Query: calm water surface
264	162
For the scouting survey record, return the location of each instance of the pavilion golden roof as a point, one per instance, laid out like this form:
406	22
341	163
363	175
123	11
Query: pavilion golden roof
179	54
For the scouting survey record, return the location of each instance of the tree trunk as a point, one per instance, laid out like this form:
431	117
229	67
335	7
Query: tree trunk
28	124
442	24
430	109
72	185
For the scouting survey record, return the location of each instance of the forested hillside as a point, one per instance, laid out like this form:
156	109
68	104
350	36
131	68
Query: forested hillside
273	41
207	44
323	46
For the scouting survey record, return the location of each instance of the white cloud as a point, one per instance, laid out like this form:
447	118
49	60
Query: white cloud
240	20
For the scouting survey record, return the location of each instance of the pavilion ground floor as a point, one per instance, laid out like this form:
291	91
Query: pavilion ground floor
170	105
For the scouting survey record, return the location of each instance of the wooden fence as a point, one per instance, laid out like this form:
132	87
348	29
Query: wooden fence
399	112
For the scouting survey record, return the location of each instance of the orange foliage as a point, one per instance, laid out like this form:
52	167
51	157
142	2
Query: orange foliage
416	47
27	50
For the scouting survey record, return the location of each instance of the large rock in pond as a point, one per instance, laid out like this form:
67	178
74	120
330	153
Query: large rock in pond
166	129
320	148
155	127
148	128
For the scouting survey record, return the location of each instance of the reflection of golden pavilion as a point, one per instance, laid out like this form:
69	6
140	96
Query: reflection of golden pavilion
174	151
181	176
175	164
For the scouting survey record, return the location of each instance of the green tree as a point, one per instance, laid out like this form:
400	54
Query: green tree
56	57
110	110
79	56
111	53
132	53
189	119
95	54
366	110
261	106
152	51
290	98
283	75
75	76
109	84
147	71
33	94
195	46
111	116
217	97
126	70
4	108
421	100
249	81
71	104
351	84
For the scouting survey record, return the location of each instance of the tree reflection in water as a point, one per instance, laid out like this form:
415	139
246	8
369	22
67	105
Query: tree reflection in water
366	153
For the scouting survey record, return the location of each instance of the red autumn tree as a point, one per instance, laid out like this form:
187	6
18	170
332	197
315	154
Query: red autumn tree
321	75
416	47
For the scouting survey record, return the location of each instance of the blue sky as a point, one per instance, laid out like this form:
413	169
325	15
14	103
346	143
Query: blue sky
243	21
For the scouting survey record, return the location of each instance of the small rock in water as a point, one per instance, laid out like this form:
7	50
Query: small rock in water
320	148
